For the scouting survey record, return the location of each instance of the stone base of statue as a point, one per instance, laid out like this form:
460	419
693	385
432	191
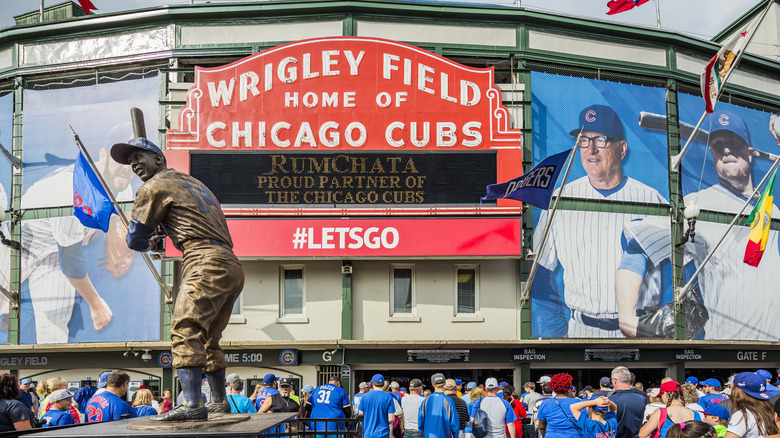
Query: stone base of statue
215	420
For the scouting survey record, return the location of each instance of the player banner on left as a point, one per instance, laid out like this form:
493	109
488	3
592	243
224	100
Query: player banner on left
72	288
6	125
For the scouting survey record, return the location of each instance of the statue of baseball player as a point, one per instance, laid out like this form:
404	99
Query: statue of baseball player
212	276
578	238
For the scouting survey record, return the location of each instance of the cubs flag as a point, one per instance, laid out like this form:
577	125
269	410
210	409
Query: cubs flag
534	187
714	77
759	220
91	204
618	6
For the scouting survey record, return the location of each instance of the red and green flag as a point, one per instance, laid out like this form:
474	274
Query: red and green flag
759	220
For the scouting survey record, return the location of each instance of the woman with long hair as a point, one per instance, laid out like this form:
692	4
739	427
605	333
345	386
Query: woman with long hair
555	417
753	414
511	397
54	384
674	412
475	394
142	405
14	415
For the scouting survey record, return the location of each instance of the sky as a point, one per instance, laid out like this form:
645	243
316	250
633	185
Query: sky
700	18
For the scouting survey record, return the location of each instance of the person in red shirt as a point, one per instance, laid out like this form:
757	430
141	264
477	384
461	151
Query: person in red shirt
511	397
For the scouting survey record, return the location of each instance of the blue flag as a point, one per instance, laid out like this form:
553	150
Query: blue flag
534	187
91	204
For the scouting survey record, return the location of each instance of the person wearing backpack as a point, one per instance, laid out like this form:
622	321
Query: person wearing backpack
490	414
555	417
601	418
674	412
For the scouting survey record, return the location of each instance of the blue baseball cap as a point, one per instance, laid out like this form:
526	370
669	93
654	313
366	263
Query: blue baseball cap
269	379
120	152
458	382
471	385
717	410
403	389
378	378
728	121
692	380
765	374
601	119
600	408
754	385
103	379
25	381
502	384
308	389
711	382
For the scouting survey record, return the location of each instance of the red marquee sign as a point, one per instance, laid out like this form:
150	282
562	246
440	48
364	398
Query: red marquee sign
343	93
282	238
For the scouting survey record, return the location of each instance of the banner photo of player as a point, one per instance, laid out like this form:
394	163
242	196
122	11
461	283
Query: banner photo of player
6	131
730	156
574	291
80	284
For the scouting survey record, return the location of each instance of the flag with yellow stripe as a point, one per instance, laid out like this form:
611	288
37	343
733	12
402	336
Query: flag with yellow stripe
759	220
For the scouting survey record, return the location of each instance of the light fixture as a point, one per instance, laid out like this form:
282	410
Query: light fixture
130	351
146	356
691	212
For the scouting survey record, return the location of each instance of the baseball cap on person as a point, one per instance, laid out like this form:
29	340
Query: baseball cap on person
402	389
765	374
416	383
605	381
728	121
502	384
120	152
458	382
655	392
588	388
754	385
231	377
284	381
25	381
544	379
103	379
670	386
269	379
378	378
717	410
438	379
711	382
600	408
601	119
471	385
450	384
692	380
308	389
363	385
491	383
394	384
60	394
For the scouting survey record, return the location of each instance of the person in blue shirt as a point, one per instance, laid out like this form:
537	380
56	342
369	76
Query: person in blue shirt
377	409
712	391
438	417
142	403
82	396
498	410
59	412
329	401
239	404
363	388
109	405
395	391
600	420
268	389
555	417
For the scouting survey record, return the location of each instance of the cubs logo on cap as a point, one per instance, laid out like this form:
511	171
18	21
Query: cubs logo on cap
728	121
601	119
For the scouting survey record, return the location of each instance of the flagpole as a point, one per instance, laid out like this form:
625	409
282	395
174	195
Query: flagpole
658	13
122	217
676	159
683	291
526	293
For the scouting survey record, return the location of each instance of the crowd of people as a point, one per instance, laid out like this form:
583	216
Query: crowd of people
746	406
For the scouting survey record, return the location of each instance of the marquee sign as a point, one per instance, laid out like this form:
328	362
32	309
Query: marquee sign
343	94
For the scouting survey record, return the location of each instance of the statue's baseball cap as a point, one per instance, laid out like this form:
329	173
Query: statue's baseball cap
120	152
601	119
